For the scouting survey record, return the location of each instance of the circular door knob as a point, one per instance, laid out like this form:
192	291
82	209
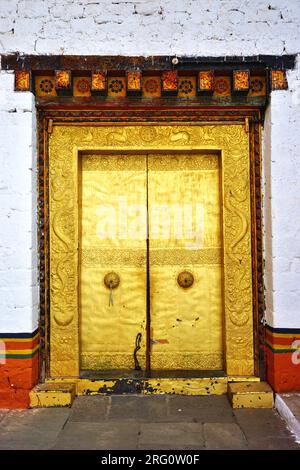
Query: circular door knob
111	280
185	279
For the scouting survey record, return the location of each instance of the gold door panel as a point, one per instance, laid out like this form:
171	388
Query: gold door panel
113	239
82	259
185	235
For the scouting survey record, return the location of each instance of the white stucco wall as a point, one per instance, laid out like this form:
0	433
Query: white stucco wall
18	208
145	27
181	27
282	205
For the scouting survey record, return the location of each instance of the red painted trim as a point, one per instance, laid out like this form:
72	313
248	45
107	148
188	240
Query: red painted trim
282	339
283	374
17	378
27	344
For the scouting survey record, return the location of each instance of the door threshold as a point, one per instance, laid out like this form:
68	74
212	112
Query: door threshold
160	382
138	382
243	392
154	374
182	382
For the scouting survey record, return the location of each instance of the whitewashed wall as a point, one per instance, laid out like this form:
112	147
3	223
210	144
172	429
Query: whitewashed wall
181	27
18	209
282	205
201	27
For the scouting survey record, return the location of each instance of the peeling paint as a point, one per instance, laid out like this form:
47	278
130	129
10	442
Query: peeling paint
197	386
181	386
110	387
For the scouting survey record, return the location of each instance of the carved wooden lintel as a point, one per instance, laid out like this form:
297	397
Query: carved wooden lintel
215	77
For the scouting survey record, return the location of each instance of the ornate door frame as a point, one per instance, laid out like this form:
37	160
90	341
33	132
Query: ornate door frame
232	141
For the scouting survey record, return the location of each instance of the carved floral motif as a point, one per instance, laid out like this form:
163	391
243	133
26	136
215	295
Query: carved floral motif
206	80
241	80
170	81
62	79
134	81
278	80
98	81
22	80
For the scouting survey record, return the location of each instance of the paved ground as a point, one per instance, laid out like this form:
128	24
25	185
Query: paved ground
145	422
288	405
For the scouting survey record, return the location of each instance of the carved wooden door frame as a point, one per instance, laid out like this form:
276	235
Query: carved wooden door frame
239	146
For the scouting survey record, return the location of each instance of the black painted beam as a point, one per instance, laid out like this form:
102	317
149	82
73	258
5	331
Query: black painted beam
77	62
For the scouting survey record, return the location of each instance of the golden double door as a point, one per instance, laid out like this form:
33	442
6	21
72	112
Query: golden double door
150	263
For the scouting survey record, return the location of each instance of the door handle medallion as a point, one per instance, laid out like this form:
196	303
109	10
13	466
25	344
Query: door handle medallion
112	280
185	279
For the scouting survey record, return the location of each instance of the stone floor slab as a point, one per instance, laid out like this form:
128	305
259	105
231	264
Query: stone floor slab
273	443
288	407
42	419
29	439
200	409
90	409
98	436
164	422
171	435
223	436
138	408
3	413
293	401
261	422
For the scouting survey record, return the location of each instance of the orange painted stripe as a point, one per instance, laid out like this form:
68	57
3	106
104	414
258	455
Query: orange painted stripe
281	340
282	335
11	363
18	352
282	347
30	344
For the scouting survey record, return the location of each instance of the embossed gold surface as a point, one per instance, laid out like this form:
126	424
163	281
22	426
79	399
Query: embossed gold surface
110	186
186	324
66	143
188	342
